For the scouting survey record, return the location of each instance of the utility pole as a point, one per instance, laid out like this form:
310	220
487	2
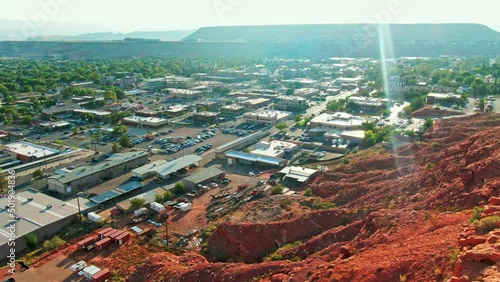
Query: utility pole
78	201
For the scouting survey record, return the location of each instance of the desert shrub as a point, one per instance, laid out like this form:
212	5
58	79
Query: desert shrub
275	257
322	205
286	204
53	243
487	224
308	192
296	259
454	253
277	189
476	214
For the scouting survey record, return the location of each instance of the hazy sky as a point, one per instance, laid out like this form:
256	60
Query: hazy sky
130	15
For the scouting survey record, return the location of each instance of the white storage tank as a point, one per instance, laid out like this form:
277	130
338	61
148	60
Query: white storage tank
94	217
141	211
157	207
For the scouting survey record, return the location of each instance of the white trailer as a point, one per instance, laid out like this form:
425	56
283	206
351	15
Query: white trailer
88	272
94	217
157	207
185	206
141	211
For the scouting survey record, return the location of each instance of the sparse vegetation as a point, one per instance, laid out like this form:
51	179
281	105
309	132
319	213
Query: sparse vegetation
308	192
53	243
319	204
454	253
487	224
166	196
286	204
476	214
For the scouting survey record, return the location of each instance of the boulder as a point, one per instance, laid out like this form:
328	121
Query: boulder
475	240
477	255
495	201
495	257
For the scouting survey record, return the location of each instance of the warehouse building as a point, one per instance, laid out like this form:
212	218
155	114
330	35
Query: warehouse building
28	152
85	177
239	143
203	177
164	169
298	175
36	213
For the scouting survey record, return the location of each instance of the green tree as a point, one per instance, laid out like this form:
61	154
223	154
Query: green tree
120	130
116	148
53	243
336	105
3	90
37	173
125	141
75	130
137	203
282	127
298	118
290	91
31	240
179	188
110	95
478	88
277	189
26	120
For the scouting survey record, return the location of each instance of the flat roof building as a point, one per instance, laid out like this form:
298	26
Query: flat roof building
145	121
235	158
84	177
36	213
306	92
232	111
291	103
176	110
255	103
436	98
54	125
28	152
276	149
204	176
95	113
342	121
366	103
269	117
299	174
184	93
206	117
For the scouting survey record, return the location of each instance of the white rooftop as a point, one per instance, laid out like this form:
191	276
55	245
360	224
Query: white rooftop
301	174
268	114
272	149
145	119
30	149
338	119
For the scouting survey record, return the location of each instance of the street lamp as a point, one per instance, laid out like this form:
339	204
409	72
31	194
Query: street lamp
78	201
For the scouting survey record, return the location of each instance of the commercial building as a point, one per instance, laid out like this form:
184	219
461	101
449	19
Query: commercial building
97	114
154	84
239	143
28	152
368	104
240	158
177	110
179	82
54	125
164	169
341	121
255	103
85	177
291	103
275	149
208	106
204	176
232	111
269	117
297	174
145	121
436	98
184	93
206	117
36	213
306	92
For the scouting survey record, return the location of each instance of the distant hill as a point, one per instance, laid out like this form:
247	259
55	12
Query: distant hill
346	32
173	35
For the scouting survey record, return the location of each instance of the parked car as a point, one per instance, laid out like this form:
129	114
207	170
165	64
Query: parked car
214	185
79	265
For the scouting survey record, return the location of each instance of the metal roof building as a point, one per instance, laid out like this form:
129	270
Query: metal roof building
299	174
206	175
235	157
163	169
35	212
